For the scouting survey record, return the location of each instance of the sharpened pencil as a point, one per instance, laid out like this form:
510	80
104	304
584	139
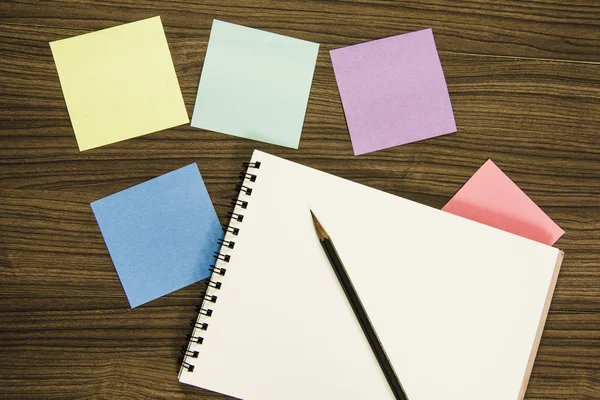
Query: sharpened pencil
359	310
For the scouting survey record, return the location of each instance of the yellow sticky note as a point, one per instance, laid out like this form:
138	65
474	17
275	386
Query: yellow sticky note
119	83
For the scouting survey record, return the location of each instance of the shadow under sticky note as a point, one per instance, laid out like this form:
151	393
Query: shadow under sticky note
492	198
393	91
255	84
119	83
161	234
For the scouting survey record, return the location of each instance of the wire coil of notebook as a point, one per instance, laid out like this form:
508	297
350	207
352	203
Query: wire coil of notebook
227	243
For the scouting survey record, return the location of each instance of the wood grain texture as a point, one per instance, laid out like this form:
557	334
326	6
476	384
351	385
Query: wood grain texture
524	79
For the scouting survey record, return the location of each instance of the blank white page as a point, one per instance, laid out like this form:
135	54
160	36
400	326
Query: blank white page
457	305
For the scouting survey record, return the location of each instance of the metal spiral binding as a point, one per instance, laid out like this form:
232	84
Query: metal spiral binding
227	243
204	309
244	188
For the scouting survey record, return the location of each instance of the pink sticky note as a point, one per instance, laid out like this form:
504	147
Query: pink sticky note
393	91
492	198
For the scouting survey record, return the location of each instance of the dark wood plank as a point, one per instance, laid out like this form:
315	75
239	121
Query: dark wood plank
559	29
66	329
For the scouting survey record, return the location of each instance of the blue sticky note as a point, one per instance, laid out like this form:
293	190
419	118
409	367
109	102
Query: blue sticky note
161	234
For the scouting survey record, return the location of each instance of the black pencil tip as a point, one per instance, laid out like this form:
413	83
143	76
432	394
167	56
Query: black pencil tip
321	233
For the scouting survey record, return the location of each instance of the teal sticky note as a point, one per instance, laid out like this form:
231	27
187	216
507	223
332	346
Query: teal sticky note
161	234
255	84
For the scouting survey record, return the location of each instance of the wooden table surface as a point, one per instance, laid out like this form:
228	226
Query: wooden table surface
524	79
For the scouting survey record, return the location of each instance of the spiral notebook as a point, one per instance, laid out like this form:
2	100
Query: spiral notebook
458	306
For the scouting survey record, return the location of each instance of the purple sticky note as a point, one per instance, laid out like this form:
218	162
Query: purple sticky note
393	91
